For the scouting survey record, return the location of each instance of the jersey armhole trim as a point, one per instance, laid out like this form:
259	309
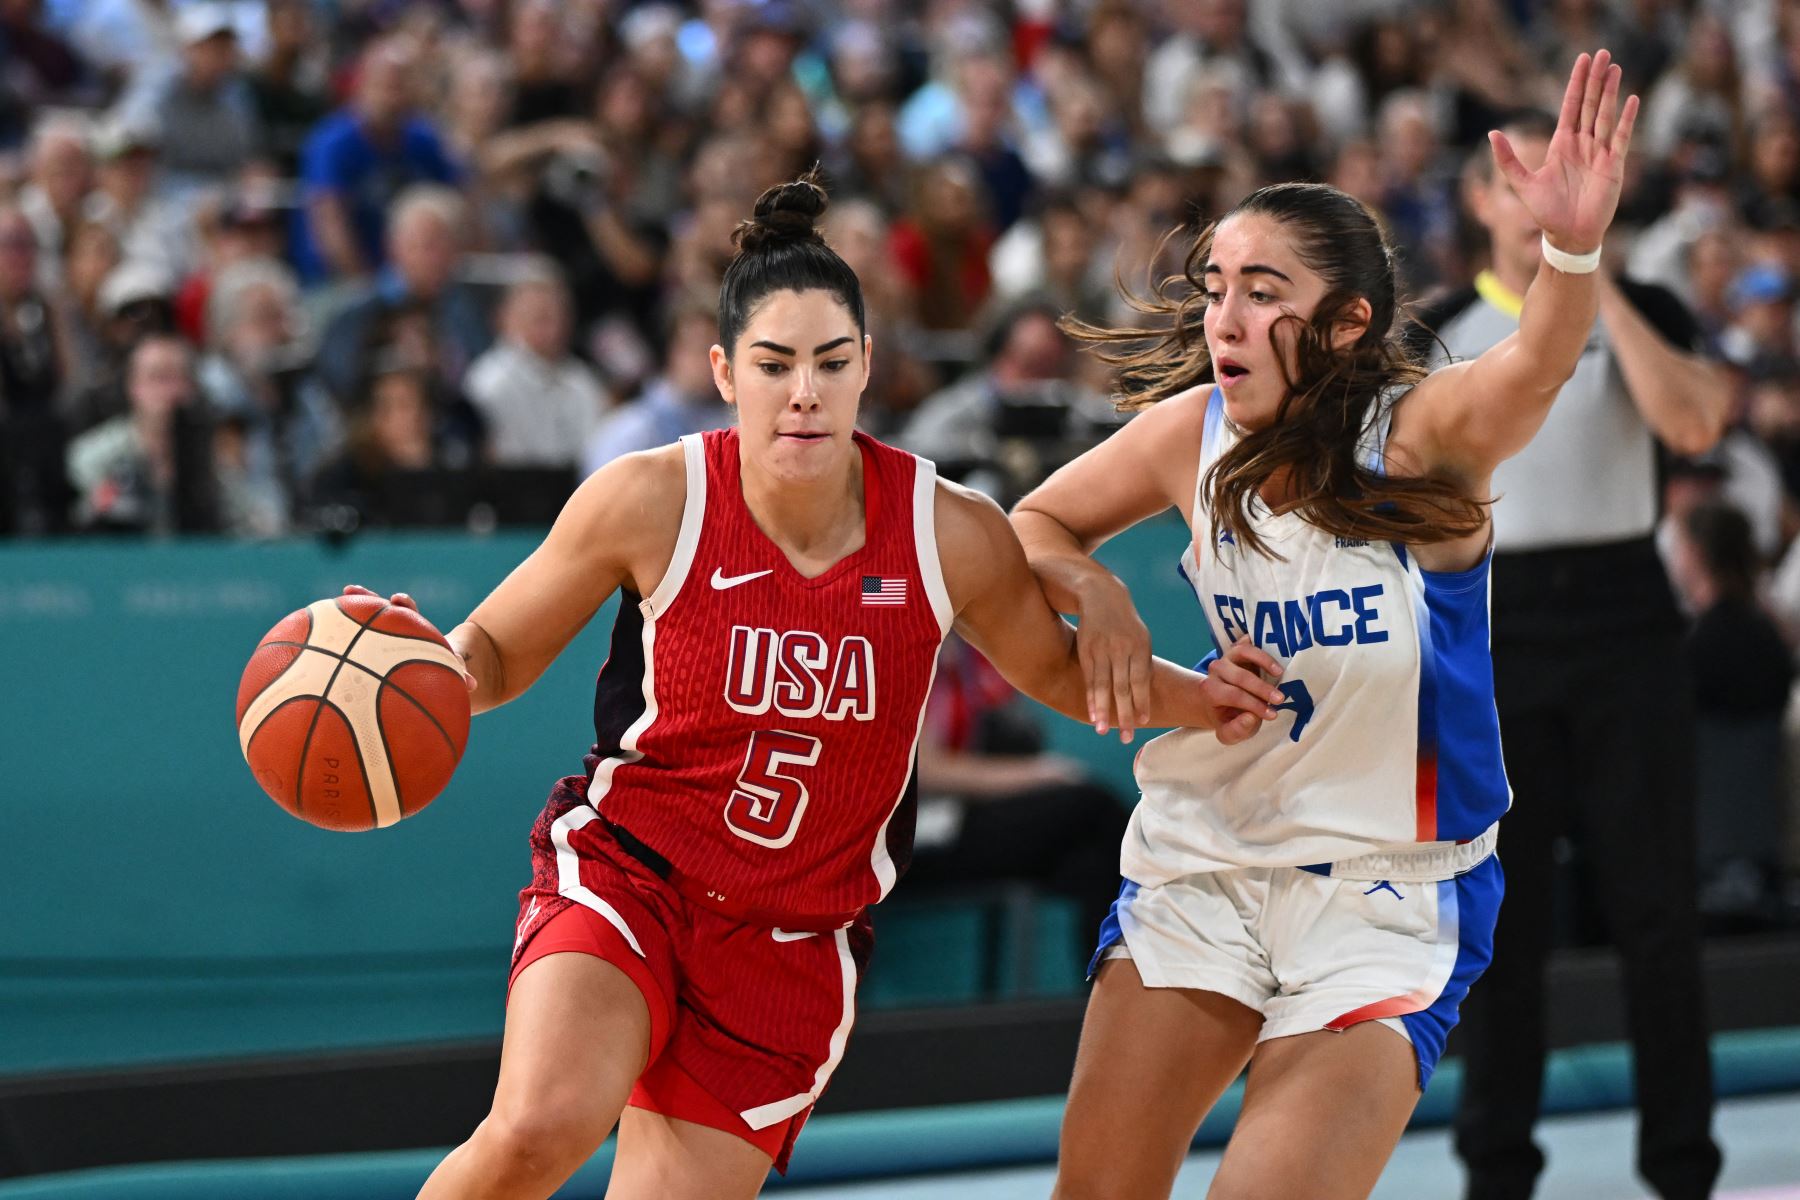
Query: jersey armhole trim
693	514
925	543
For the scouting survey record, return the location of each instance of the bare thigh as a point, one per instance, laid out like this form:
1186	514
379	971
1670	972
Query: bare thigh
1152	1062
577	1036
662	1158
1322	1112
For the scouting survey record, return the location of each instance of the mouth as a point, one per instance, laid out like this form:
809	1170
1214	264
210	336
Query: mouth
803	435
1229	371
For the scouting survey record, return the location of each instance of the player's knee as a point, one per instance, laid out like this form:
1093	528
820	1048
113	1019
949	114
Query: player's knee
543	1140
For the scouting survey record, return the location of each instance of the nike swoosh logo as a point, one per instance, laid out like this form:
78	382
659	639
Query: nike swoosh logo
782	935
721	581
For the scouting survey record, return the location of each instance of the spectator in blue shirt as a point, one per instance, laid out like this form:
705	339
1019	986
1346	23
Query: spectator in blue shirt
357	162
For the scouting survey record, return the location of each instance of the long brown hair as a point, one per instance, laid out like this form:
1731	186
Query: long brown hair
1331	398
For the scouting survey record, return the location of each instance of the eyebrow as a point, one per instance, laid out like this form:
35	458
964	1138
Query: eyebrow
821	348
1249	269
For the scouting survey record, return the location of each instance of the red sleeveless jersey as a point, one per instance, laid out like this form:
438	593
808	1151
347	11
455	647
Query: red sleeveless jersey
757	728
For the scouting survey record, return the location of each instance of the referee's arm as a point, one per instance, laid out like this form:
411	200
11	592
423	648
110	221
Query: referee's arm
1683	398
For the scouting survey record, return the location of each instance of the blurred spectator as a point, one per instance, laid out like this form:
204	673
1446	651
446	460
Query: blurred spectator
61	172
133	42
206	114
33	358
869	163
995	805
1741	672
1769	192
282	425
1416	198
291	83
357	163
92	255
149	469
681	400
149	228
41	69
389	466
424	246
1022	400
941	245
541	404
1206	33
1701	96
135	301
1762	307
539	49
231	227
1054	253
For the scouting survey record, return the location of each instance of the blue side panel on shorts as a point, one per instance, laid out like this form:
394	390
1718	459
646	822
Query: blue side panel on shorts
1110	930
1472	792
1475	896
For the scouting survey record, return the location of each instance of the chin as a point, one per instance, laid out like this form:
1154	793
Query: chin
1246	413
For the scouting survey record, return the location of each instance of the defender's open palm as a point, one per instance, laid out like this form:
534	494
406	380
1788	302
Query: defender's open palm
1573	195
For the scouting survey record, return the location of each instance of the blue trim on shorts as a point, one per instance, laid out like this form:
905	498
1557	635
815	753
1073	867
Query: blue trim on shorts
1476	895
1110	932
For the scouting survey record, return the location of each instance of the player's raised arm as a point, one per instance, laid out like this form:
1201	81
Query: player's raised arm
615	531
1002	612
1472	416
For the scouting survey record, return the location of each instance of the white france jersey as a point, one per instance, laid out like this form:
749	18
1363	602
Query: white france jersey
1384	761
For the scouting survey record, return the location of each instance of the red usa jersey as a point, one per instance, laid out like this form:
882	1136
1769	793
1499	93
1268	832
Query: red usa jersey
756	728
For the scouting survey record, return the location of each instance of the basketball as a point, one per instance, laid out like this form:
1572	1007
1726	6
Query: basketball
352	713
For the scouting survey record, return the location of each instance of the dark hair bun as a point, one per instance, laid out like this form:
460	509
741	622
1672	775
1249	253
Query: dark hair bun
786	213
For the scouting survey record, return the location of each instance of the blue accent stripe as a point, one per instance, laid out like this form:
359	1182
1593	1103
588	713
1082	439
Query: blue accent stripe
1215	420
1472	792
1110	931
1475	899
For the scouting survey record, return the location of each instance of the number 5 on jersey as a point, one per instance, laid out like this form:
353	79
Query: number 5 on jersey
767	805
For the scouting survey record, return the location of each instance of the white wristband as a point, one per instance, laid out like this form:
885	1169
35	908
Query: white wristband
1571	264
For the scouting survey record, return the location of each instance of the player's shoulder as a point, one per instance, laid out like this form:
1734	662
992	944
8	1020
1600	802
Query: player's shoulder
634	493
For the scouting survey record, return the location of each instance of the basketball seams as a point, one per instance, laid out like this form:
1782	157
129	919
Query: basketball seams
412	700
306	744
355	744
307	612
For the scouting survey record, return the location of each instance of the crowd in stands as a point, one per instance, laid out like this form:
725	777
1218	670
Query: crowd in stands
282	266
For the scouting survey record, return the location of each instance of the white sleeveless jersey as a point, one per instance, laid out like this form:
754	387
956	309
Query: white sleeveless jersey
1384	761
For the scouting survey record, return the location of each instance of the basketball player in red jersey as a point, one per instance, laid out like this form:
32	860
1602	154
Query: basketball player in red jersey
688	950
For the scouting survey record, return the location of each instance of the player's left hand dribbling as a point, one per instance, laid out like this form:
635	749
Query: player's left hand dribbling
402	600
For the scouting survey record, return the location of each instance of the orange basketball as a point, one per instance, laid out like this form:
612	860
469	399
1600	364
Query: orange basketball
352	713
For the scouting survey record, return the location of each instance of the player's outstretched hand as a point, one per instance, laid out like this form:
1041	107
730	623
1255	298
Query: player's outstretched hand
1574	194
1114	646
1237	692
402	600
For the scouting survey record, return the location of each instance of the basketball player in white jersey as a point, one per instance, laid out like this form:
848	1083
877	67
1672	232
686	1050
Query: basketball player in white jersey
1314	900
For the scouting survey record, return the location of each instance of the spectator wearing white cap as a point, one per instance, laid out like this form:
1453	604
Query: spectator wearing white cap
60	172
148	228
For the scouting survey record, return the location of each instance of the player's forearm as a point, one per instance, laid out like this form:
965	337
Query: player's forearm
1062	566
1176	700
481	658
1683	399
1554	324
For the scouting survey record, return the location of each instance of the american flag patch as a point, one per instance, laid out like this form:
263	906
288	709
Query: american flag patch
879	589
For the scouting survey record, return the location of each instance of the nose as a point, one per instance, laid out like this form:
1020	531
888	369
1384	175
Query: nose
805	394
1227	320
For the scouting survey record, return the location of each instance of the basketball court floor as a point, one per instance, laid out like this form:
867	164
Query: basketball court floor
1590	1159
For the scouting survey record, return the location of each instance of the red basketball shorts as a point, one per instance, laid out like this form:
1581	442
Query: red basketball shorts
747	1023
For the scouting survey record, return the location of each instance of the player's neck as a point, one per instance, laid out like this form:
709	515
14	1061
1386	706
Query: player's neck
815	522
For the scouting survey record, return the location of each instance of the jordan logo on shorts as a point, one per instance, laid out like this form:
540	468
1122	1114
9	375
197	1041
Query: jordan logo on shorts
1389	886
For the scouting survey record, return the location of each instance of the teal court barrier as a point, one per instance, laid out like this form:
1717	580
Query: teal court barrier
884	1144
152	892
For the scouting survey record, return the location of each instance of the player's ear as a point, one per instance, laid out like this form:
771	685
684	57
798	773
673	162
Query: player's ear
868	354
721	369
